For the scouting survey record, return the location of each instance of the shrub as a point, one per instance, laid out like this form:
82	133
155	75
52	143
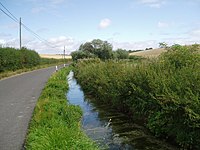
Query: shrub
121	54
81	55
13	59
29	58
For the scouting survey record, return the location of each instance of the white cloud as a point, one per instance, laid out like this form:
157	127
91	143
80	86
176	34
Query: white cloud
135	45
104	23
53	45
56	45
181	41
153	3
12	42
2	42
162	24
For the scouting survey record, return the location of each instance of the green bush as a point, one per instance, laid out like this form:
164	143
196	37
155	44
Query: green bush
121	54
44	61
134	57
12	59
29	58
81	55
163	92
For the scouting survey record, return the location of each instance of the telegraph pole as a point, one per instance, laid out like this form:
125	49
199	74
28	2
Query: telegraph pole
64	56
20	33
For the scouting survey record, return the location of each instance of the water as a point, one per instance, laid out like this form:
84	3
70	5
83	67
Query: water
109	128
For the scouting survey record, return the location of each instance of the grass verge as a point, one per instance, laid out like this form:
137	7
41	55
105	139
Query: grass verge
19	71
56	123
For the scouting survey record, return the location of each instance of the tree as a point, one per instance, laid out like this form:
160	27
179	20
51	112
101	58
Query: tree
97	43
103	49
81	55
95	48
121	54
87	47
163	45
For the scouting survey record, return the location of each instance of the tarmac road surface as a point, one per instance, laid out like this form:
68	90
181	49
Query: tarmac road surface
18	96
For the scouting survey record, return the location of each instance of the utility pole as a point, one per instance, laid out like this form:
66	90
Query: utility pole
64	56
20	33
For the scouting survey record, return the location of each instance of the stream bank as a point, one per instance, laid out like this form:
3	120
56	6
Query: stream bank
109	128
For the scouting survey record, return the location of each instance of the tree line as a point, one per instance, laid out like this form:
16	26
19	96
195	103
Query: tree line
99	49
103	50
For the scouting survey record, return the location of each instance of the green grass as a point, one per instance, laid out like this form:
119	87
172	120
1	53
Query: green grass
56	123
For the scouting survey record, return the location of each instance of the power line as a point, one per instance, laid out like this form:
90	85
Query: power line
10	15
9	12
37	36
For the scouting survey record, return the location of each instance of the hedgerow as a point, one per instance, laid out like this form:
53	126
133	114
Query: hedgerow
12	59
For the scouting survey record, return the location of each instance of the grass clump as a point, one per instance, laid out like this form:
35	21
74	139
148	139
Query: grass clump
56	123
164	92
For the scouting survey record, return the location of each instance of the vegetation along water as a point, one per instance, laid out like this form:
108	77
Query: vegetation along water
56	123
162	93
108	127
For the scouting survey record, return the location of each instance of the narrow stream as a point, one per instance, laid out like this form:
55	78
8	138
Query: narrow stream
111	129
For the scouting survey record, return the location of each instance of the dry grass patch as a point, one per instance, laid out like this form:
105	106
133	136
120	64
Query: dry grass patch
149	53
55	56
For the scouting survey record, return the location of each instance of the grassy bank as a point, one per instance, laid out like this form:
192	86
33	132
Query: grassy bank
55	123
19	71
164	92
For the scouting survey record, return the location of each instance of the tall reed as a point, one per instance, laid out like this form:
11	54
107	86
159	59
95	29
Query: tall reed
163	92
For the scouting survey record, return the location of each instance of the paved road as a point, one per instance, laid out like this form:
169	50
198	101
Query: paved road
18	96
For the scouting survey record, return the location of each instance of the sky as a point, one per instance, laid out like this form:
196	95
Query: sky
126	24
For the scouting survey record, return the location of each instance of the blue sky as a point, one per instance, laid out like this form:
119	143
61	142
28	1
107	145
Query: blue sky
127	24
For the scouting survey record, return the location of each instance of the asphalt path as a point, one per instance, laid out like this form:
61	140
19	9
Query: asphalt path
18	96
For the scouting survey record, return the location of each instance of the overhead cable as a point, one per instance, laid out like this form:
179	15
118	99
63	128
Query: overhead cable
11	16
15	18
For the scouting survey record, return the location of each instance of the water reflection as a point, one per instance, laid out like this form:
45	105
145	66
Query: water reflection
119	132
